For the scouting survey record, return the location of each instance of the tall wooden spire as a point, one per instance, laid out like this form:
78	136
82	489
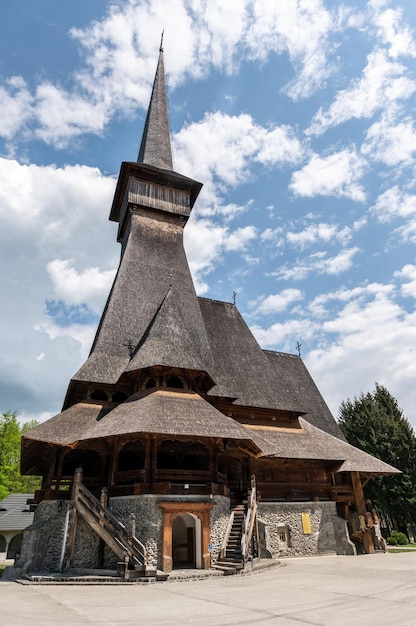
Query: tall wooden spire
155	148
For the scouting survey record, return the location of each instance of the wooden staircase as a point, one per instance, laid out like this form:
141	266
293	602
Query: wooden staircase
238	539
122	541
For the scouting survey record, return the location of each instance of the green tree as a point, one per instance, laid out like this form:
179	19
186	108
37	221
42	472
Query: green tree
375	423
11	481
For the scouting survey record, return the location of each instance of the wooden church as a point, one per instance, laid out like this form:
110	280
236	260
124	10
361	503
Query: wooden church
182	442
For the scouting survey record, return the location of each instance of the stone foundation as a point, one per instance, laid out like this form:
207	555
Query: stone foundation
281	528
283	533
43	540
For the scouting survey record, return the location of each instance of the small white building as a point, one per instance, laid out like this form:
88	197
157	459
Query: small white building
15	516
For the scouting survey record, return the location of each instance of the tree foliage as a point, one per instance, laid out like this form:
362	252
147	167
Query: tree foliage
11	481
375	423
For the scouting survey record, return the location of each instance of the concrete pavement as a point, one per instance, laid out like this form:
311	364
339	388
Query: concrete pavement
365	590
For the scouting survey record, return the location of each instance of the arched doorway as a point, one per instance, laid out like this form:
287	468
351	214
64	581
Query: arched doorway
199	512
186	541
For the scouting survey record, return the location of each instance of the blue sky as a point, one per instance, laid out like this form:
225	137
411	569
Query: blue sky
298	119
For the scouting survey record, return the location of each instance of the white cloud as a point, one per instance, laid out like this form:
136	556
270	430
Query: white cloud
222	146
284	335
371	339
238	239
206	243
399	37
318	263
394	203
382	84
15	106
391	142
62	115
359	336
408	277
118	53
47	213
88	286
319	232
276	303
274	235
300	27
333	175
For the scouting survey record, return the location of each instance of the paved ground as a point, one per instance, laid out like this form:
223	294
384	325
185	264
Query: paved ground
365	590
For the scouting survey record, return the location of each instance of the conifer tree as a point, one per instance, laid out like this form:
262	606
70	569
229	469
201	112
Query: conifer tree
375	423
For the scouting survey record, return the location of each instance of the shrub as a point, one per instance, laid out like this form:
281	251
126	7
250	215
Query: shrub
402	540
397	539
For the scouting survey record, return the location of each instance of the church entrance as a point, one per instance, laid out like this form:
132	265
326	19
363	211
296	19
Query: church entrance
186	534
186	541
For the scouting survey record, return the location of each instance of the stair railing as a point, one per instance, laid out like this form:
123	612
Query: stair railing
122	541
249	519
227	536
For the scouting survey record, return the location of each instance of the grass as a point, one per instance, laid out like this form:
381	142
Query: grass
2	568
410	547
401	549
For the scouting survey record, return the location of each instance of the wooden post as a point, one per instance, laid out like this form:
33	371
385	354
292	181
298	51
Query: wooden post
213	462
153	462
360	504
101	543
114	461
47	479
147	460
74	520
132	525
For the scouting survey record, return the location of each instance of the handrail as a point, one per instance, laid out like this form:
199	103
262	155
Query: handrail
83	499
249	519
227	535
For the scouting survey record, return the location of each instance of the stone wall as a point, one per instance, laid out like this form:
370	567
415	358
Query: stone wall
280	526
42	540
42	543
329	534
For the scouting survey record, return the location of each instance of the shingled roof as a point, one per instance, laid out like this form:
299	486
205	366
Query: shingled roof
67	427
256	377
170	412
15	513
153	263
155	148
166	341
309	442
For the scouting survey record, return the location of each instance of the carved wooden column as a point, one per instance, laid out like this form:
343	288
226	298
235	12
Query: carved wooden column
360	504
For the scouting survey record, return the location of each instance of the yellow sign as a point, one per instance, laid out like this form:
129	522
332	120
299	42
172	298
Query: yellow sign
306	523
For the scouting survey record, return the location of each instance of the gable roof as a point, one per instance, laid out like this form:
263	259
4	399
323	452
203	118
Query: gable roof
15	513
